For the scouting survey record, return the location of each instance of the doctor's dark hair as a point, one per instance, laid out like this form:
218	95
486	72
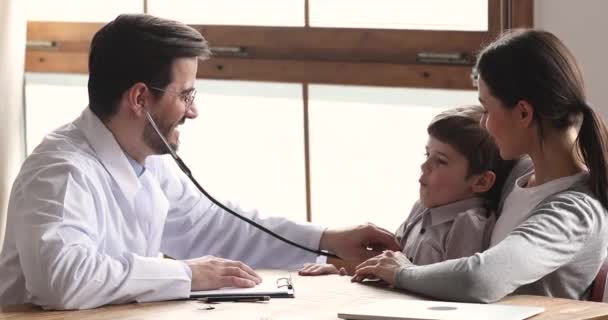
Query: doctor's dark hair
535	66
460	128
137	48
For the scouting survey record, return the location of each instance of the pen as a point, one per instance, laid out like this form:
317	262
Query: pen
235	299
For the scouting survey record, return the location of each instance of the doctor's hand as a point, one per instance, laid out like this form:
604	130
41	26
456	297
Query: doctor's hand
357	244
384	266
210	272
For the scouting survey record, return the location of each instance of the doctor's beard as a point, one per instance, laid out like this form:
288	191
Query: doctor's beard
154	142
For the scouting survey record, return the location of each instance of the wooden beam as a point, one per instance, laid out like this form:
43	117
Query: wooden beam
336	38
380	74
522	14
496	19
62	31
305	55
307	174
329	44
348	73
54	61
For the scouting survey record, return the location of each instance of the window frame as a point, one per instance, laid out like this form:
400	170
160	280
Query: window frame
306	55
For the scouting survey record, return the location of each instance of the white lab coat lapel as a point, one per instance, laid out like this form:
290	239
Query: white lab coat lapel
148	206
109	153
151	207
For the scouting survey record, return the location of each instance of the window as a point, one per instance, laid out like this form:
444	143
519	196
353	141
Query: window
366	147
81	11
253	13
401	14
51	101
247	145
312	109
305	41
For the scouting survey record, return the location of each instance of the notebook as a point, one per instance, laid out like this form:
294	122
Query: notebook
392	309
274	287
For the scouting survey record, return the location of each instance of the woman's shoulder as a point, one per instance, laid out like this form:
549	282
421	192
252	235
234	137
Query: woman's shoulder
575	205
578	194
522	167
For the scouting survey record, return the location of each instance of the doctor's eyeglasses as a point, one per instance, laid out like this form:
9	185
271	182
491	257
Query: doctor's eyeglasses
187	96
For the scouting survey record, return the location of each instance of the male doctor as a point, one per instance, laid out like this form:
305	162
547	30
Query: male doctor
94	204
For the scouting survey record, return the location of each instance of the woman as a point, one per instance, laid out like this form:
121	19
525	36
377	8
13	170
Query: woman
552	234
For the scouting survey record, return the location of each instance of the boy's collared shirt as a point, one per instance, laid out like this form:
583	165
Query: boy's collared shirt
459	229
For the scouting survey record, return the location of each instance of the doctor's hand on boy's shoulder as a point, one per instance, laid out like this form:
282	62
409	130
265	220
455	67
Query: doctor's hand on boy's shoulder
358	243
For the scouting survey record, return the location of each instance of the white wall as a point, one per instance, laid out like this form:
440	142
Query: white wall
12	63
582	25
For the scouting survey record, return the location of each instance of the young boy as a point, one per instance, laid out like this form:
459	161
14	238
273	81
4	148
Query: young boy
459	189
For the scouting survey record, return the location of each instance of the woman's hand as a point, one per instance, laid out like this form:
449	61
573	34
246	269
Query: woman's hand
384	266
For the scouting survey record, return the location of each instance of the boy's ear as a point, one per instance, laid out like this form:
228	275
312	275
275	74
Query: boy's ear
483	182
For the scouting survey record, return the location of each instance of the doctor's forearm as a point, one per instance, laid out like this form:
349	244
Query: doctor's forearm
79	280
215	232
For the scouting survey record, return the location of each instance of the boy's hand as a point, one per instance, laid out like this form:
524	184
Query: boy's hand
316	269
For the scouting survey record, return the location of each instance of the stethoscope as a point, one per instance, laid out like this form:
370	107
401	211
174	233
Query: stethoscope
188	173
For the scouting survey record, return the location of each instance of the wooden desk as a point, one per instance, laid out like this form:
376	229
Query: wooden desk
316	298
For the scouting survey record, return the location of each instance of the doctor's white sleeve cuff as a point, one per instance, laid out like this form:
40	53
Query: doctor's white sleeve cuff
157	279
188	270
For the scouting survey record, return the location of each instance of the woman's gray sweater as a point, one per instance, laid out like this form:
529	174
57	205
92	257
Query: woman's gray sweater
556	252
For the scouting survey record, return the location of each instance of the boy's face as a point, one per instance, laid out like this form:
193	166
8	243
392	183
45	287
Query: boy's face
444	175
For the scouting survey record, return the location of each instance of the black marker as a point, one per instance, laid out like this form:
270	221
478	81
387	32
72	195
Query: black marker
235	299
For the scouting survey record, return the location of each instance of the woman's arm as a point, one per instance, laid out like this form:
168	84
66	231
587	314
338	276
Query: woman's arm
552	237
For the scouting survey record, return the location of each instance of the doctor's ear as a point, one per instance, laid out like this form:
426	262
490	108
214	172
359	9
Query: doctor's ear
136	97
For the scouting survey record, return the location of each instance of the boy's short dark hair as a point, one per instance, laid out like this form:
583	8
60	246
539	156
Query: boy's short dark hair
137	48
460	128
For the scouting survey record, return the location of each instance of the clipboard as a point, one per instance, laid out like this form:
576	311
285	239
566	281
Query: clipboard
274	287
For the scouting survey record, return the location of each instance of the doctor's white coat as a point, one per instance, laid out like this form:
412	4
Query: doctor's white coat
83	230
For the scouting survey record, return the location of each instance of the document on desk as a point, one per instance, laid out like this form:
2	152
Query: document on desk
274	287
